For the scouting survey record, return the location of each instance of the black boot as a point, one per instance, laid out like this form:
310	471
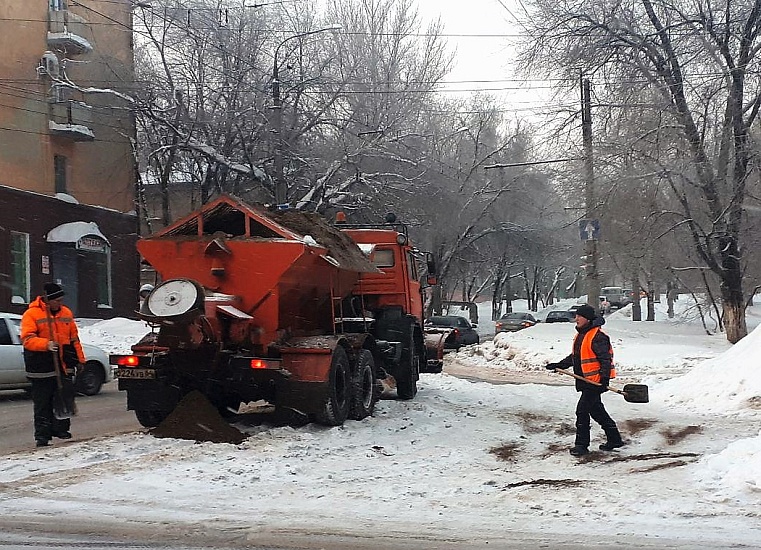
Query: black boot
578	450
614	440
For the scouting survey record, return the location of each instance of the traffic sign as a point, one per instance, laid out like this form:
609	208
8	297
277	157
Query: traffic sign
589	230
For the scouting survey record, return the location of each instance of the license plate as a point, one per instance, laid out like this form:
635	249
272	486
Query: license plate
140	374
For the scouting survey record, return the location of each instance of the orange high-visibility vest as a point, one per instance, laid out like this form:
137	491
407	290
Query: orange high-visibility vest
590	365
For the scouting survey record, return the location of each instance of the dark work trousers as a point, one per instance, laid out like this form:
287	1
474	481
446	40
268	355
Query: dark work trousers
46	425
590	405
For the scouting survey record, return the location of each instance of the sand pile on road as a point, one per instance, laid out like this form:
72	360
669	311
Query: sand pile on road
196	419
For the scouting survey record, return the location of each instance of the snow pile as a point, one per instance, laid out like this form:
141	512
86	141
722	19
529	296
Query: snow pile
729	382
734	472
114	335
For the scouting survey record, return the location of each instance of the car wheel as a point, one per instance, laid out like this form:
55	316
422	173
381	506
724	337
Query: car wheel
90	381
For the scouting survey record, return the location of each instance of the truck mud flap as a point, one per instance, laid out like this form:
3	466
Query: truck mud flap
142	395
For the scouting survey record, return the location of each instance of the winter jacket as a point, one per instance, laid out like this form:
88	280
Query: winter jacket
37	329
591	349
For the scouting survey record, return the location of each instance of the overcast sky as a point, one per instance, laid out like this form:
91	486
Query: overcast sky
478	58
485	62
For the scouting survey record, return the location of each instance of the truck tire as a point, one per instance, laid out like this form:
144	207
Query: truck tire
336	408
363	387
406	383
150	419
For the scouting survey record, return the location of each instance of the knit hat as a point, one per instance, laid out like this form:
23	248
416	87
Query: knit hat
53	291
586	311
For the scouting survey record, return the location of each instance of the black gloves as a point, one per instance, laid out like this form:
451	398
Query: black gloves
604	382
552	366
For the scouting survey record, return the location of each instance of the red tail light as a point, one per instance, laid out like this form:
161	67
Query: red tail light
128	361
259	363
456	332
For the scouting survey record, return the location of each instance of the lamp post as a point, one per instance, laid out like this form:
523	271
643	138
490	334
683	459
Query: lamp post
281	188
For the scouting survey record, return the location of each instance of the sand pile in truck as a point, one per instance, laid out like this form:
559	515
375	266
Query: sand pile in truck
196	419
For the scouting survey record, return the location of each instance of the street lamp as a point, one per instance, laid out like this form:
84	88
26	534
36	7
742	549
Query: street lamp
281	188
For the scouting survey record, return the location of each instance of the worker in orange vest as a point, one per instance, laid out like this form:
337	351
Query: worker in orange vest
48	328
592	358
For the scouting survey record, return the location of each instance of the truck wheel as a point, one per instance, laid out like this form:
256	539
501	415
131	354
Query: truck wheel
406	384
336	407
150	419
363	394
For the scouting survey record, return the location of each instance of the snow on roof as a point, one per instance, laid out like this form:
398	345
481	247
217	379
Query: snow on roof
73	231
71	128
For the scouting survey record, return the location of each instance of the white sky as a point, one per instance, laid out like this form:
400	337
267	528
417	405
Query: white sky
690	477
485	62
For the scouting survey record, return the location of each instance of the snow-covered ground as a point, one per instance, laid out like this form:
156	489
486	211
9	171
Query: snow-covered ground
463	461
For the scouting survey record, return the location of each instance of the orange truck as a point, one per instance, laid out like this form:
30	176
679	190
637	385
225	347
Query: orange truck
282	307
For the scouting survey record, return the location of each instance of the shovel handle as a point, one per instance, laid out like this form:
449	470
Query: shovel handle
577	377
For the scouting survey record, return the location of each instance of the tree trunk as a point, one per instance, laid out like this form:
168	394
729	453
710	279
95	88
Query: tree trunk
733	309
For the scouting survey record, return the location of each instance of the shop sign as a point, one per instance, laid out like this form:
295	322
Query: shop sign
91	244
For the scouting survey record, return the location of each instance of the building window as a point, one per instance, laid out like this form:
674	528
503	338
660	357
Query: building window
57	5
59	168
19	268
103	273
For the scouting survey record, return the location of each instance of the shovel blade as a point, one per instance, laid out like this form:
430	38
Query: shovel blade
64	405
636	393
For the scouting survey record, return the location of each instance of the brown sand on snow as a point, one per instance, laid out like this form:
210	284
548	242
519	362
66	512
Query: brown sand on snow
196	419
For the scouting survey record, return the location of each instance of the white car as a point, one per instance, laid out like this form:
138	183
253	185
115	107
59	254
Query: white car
97	370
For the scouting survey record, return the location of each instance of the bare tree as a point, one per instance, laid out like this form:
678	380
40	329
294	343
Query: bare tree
701	59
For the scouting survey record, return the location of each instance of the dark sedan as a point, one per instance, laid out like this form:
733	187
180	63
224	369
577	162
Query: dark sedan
560	316
463	333
510	322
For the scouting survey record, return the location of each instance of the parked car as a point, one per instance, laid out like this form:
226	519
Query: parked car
510	322
463	333
560	316
97	370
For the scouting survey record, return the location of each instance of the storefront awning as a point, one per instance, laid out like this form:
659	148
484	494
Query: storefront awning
79	233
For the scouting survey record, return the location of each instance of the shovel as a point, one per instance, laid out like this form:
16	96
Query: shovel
633	393
64	404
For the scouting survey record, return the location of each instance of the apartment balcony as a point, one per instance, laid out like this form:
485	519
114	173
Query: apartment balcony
72	120
67	31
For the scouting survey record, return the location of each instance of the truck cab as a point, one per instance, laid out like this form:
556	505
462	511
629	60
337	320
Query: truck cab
398	282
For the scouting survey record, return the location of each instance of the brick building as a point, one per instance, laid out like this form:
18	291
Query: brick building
67	174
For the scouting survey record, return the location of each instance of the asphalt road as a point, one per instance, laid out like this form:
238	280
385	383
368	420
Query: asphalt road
99	415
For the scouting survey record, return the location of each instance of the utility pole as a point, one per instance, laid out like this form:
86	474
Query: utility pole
590	264
281	186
